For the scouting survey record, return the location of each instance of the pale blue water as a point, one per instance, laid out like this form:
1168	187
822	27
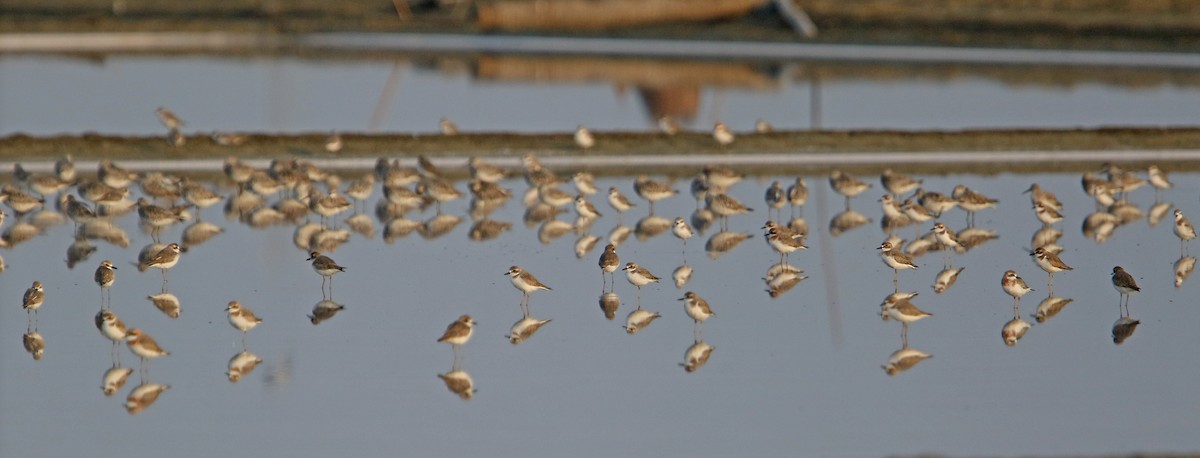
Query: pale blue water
800	374
42	95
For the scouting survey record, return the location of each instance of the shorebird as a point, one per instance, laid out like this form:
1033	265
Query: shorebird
1047	215
1124	284
722	134
111	327
33	298
947	239
1184	230
762	126
668	125
639	276
112	175
458	333
64	169
724	205
164	259
609	261
483	171
1015	286
903	310
168	119
242	319
935	202
448	127
618	201
697	308
584	138
776	197
1037	195
652	191
782	244
720	177
334	142
1050	263
797	195
525	282
682	231
326	268
971	201
847	185
144	346
894	258
584	182
105	276
898	184
156	217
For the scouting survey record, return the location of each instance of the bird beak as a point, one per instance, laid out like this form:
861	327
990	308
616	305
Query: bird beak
680	299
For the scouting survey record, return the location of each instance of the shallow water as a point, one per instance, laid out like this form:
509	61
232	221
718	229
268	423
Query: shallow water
797	373
554	94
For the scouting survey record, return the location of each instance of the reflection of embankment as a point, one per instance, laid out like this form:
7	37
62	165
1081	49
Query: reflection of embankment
1010	75
667	87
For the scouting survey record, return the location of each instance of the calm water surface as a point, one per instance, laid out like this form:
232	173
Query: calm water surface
502	93
799	374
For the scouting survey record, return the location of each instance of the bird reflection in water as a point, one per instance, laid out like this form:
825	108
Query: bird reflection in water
324	310
945	279
397	228
651	226
682	275
487	229
584	244
459	382
846	221
702	219
904	359
1015	329
1099	226
724	241
439	225
781	278
609	303
639	319
619	234
361	224
143	396
553	229
1183	268
104	230
114	379
696	356
241	364
1049	307
1157	212
34	343
973	237
524	328
167	303
79	251
539	213
1123	329
200	232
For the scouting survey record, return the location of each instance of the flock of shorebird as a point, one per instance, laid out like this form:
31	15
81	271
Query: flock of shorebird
298	188
1109	191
